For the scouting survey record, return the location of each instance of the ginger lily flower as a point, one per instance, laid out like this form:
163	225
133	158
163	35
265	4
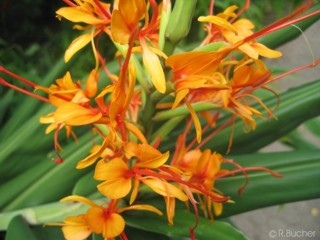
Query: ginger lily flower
221	29
98	219
118	176
94	13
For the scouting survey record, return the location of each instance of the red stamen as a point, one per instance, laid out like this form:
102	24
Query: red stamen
211	9
230	173
32	84
157	143
245	7
282	23
3	82
106	14
71	4
123	236
295	70
154	18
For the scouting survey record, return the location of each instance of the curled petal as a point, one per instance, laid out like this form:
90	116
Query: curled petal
152	63
218	21
79	199
141	207
76	115
164	188
76	45
266	52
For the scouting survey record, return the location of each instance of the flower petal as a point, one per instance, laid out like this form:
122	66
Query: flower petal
76	45
164	188
75	14
76	115
114	226
75	228
116	188
152	63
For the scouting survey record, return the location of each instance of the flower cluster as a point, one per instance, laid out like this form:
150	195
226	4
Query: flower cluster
221	74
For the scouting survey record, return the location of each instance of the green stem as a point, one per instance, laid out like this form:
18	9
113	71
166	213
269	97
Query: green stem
183	110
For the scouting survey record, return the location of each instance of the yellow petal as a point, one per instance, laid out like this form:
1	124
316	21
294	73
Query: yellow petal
76	45
75	14
119	30
94	156
92	84
114	169
141	207
76	115
132	10
154	162
165	189
153	66
196	122
136	131
218	21
75	228
180	95
115	189
117	184
265	51
114	226
79	199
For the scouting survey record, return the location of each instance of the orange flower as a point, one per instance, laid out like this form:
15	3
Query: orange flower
98	219
118	176
125	29
95	14
221	29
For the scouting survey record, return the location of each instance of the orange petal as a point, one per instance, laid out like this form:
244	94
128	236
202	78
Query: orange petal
119	30
265	51
114	169
79	199
196	121
218	21
116	188
76	45
132	10
154	162
76	115
165	189
179	96
114	226
152	63
141	207
94	156
75	14
75	228
92	83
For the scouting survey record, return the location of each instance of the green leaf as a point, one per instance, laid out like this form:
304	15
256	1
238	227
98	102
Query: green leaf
19	229
313	126
21	182
300	182
134	233
86	185
56	183
183	221
47	232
